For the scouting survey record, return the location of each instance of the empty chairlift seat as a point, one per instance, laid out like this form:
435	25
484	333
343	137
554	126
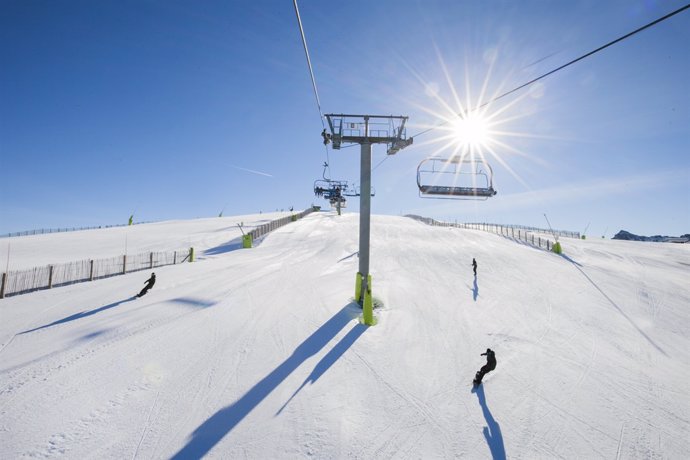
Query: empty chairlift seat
455	178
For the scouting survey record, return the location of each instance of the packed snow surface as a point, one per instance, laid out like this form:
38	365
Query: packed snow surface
217	234
258	353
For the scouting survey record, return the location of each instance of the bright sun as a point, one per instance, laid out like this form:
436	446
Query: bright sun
472	130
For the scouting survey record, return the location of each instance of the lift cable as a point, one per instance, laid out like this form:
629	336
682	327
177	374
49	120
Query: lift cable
380	163
569	63
311	73
311	70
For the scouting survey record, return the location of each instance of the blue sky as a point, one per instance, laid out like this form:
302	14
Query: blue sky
176	110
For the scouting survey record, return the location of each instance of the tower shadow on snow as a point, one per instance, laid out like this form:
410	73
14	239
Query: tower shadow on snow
492	432
327	361
80	315
209	433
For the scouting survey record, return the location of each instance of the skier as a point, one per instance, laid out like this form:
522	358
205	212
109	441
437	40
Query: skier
488	367
474	266
149	284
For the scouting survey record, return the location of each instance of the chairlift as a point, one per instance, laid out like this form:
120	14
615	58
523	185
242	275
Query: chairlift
356	190
455	178
328	188
336	201
332	190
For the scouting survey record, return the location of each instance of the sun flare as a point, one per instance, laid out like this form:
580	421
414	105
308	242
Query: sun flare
473	130
471	124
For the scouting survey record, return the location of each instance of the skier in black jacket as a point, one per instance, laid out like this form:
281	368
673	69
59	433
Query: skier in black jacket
488	367
474	266
149	284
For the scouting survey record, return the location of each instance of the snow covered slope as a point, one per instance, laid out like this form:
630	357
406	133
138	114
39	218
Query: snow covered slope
258	353
211	234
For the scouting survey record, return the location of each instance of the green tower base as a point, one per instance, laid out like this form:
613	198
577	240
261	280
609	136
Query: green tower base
367	300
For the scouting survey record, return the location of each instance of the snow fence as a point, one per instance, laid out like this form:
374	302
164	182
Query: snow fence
263	230
50	276
44	231
532	236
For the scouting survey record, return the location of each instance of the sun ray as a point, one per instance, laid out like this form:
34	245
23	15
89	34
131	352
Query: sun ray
456	97
473	127
477	131
505	165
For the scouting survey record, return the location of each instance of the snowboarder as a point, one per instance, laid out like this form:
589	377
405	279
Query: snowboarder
149	284
474	266
488	367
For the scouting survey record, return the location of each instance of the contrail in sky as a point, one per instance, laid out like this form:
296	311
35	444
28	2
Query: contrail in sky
253	171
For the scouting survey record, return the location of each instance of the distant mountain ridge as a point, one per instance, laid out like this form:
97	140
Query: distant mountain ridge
625	235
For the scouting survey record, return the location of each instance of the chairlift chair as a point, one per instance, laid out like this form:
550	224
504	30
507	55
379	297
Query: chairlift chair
356	190
455	178
335	199
326	188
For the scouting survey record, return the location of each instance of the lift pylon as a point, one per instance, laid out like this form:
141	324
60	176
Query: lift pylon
369	129
366	130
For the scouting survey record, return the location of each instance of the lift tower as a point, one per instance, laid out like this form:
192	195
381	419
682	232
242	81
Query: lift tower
366	130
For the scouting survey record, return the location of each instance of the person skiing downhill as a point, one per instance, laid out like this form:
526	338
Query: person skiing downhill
488	367
149	284
474	266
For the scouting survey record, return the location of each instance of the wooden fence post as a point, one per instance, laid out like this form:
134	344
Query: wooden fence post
124	264
91	270
175	257
151	260
2	286
50	276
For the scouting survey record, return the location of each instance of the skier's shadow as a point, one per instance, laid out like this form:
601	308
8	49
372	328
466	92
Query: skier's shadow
80	315
475	290
492	432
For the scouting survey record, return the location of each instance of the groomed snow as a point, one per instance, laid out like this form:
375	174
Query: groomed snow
258	353
210	234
